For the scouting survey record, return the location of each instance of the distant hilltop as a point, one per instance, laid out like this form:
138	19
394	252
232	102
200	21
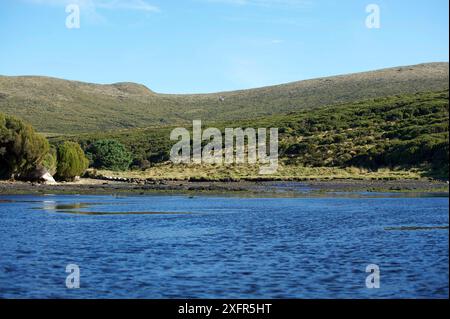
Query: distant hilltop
61	106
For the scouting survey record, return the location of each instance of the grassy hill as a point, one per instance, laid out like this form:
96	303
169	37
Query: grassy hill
401	131
60	106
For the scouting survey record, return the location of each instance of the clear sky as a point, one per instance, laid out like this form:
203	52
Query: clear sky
193	46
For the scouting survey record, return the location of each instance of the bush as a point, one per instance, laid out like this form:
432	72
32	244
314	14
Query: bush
50	161
141	164
71	161
21	148
109	154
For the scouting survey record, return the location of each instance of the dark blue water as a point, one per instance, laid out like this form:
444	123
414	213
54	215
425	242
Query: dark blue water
222	247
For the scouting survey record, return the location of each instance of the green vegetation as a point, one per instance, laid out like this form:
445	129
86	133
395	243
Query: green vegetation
191	172
407	131
383	124
398	132
109	154
50	161
71	161
59	106
21	148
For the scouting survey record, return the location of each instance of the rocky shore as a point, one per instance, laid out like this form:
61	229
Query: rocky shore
311	187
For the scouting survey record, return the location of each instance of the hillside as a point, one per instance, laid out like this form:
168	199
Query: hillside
409	131
61	106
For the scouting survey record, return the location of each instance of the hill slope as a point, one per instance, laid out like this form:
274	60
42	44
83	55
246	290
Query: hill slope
409	130
61	106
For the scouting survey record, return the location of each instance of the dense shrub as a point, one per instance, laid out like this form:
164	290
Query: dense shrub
71	161
21	148
50	161
159	157
109	154
141	164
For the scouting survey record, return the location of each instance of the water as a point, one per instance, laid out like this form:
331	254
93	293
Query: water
222	247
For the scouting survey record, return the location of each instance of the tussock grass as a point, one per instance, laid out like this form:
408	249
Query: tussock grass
169	171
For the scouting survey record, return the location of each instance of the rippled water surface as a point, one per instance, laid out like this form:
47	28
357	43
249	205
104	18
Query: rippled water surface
222	247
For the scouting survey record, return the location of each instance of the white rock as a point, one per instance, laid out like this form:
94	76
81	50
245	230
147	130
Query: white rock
48	179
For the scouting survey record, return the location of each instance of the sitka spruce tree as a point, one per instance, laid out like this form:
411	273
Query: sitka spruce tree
21	148
71	161
109	154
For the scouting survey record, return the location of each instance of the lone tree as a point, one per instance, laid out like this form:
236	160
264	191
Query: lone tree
21	148
109	154
71	161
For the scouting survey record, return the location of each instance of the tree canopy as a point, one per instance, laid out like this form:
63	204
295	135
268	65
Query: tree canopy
71	161
109	154
21	148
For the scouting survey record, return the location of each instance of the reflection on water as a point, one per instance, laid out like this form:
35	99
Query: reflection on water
52	205
76	208
117	213
224	247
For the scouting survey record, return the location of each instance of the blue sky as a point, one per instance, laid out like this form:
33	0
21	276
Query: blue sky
195	46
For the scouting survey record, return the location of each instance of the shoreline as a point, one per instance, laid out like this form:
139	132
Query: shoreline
277	187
